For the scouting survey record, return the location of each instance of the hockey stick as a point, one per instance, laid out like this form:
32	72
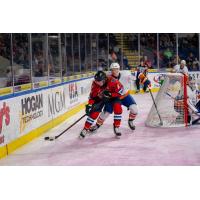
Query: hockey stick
94	107
161	122
194	121
171	96
57	136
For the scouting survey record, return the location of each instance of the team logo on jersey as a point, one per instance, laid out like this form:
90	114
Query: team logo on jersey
4	119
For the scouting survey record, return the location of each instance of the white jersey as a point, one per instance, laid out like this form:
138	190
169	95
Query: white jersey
191	95
125	78
179	70
193	99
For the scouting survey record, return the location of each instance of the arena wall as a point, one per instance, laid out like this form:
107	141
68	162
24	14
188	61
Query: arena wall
24	116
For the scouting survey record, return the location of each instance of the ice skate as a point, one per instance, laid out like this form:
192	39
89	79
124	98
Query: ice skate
93	129
83	134
131	125
117	132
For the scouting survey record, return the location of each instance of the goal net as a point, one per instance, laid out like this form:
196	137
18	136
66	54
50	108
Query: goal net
171	103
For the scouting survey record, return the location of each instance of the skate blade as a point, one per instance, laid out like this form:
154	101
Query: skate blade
80	137
132	129
92	132
117	136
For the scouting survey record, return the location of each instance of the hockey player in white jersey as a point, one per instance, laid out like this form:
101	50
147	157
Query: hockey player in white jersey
182	68
193	99
193	94
127	100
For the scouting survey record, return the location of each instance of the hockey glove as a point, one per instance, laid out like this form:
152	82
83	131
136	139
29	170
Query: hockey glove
149	85
88	108
106	95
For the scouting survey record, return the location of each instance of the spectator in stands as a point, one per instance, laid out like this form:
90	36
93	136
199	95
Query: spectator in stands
125	62
196	65
112	57
168	55
116	49
147	62
174	60
119	55
40	69
102	65
190	60
102	54
99	68
9	76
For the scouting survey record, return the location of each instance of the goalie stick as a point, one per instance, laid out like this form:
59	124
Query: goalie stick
161	122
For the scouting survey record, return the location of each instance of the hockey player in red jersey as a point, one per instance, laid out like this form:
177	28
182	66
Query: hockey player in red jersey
104	90
126	99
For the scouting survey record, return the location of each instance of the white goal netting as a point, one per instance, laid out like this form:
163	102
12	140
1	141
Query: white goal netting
171	103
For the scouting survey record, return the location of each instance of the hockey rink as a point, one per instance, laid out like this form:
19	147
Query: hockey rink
143	147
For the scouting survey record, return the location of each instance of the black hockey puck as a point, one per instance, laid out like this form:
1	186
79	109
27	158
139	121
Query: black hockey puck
46	138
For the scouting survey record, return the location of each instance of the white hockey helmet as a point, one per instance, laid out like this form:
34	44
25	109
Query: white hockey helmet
114	66
183	62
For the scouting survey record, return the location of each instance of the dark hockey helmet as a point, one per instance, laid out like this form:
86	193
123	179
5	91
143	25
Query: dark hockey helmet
100	76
